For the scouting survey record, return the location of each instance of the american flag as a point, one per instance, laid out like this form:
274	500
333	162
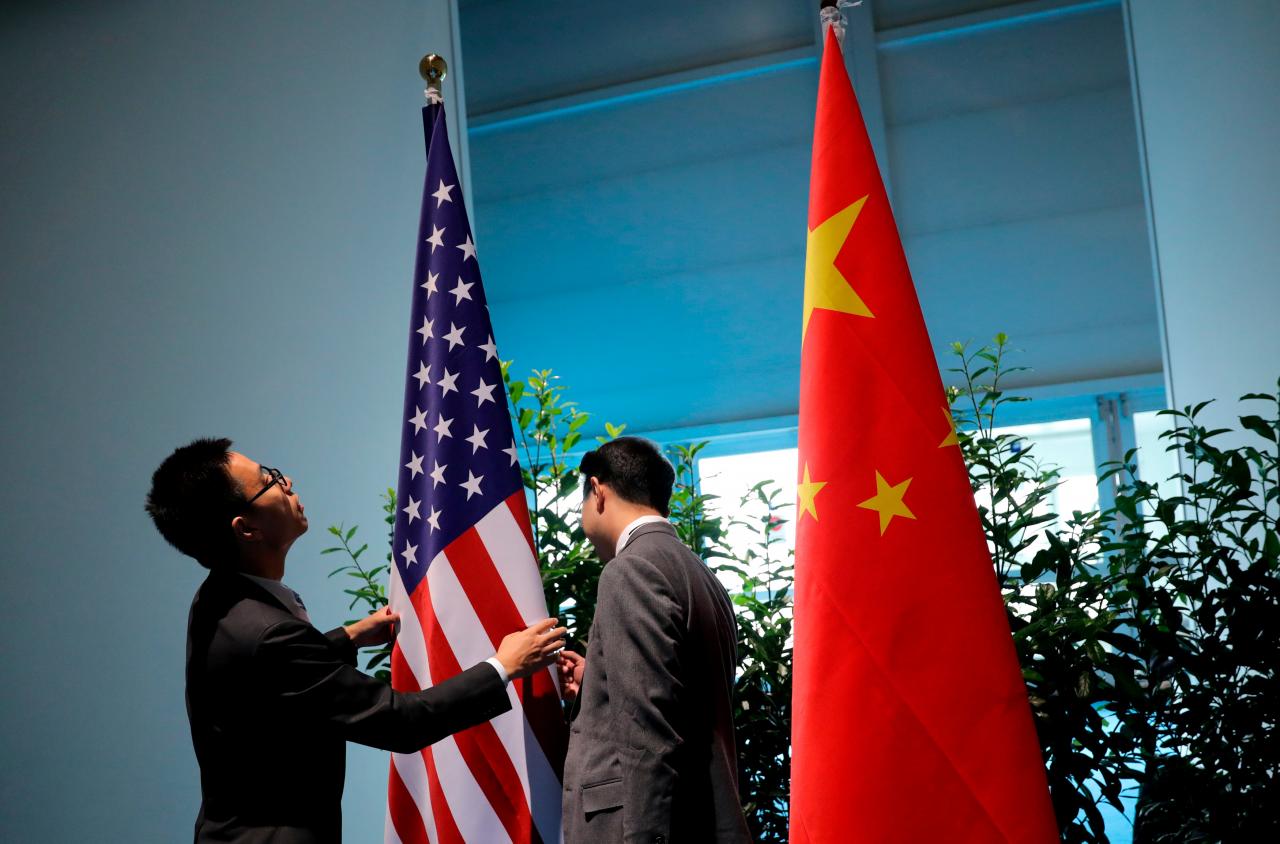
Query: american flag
465	574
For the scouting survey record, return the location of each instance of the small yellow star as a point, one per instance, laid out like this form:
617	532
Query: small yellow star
888	501
807	490
950	438
824	286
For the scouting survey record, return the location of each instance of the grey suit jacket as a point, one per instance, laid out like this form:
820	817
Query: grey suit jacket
651	748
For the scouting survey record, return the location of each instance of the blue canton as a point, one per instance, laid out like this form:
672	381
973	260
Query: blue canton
457	452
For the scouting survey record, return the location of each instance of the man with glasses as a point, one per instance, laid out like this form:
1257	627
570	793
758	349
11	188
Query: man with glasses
272	701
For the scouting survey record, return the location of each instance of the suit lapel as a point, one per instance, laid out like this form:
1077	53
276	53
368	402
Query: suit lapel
236	584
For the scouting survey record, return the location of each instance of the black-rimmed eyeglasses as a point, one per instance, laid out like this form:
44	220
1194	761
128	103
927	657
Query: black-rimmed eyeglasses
277	477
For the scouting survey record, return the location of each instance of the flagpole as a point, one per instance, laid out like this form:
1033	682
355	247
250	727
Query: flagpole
433	69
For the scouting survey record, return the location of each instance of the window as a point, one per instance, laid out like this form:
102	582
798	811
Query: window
1067	445
1155	465
730	477
1075	429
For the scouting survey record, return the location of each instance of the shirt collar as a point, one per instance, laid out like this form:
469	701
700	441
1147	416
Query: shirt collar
625	536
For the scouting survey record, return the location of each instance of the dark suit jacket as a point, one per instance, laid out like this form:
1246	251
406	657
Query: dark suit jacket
273	702
651	749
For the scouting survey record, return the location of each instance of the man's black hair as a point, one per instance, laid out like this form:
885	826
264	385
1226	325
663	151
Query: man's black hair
633	468
193	499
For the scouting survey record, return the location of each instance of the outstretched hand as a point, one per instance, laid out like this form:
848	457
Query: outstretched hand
531	649
571	666
378	628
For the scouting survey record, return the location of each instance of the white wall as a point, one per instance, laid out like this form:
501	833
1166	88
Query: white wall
209	222
1207	81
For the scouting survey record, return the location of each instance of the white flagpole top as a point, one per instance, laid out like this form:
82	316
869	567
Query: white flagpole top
832	15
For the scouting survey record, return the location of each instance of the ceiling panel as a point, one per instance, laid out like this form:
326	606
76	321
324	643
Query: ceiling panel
995	67
891	13
517	52
695	124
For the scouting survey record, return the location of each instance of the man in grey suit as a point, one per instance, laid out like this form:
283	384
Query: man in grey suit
651	747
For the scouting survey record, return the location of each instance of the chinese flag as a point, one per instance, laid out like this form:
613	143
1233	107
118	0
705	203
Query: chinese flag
910	717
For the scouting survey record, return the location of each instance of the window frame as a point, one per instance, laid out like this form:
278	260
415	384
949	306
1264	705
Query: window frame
1109	404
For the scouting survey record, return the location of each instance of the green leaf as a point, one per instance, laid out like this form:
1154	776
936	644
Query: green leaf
1271	547
1259	426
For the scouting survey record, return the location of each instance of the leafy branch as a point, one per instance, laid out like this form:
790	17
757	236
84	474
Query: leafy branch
369	588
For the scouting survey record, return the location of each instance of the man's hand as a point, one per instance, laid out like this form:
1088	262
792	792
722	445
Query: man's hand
525	652
377	629
572	666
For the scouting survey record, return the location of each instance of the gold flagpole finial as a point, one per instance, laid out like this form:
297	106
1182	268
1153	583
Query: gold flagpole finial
433	70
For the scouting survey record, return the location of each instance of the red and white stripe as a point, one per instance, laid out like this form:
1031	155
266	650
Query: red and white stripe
499	781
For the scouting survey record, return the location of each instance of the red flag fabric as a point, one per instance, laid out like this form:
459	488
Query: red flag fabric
910	717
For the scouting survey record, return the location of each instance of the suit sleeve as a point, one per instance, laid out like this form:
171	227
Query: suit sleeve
309	676
346	648
641	635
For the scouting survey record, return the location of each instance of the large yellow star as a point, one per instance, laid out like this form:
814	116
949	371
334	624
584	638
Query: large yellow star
950	438
824	286
888	501
807	490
